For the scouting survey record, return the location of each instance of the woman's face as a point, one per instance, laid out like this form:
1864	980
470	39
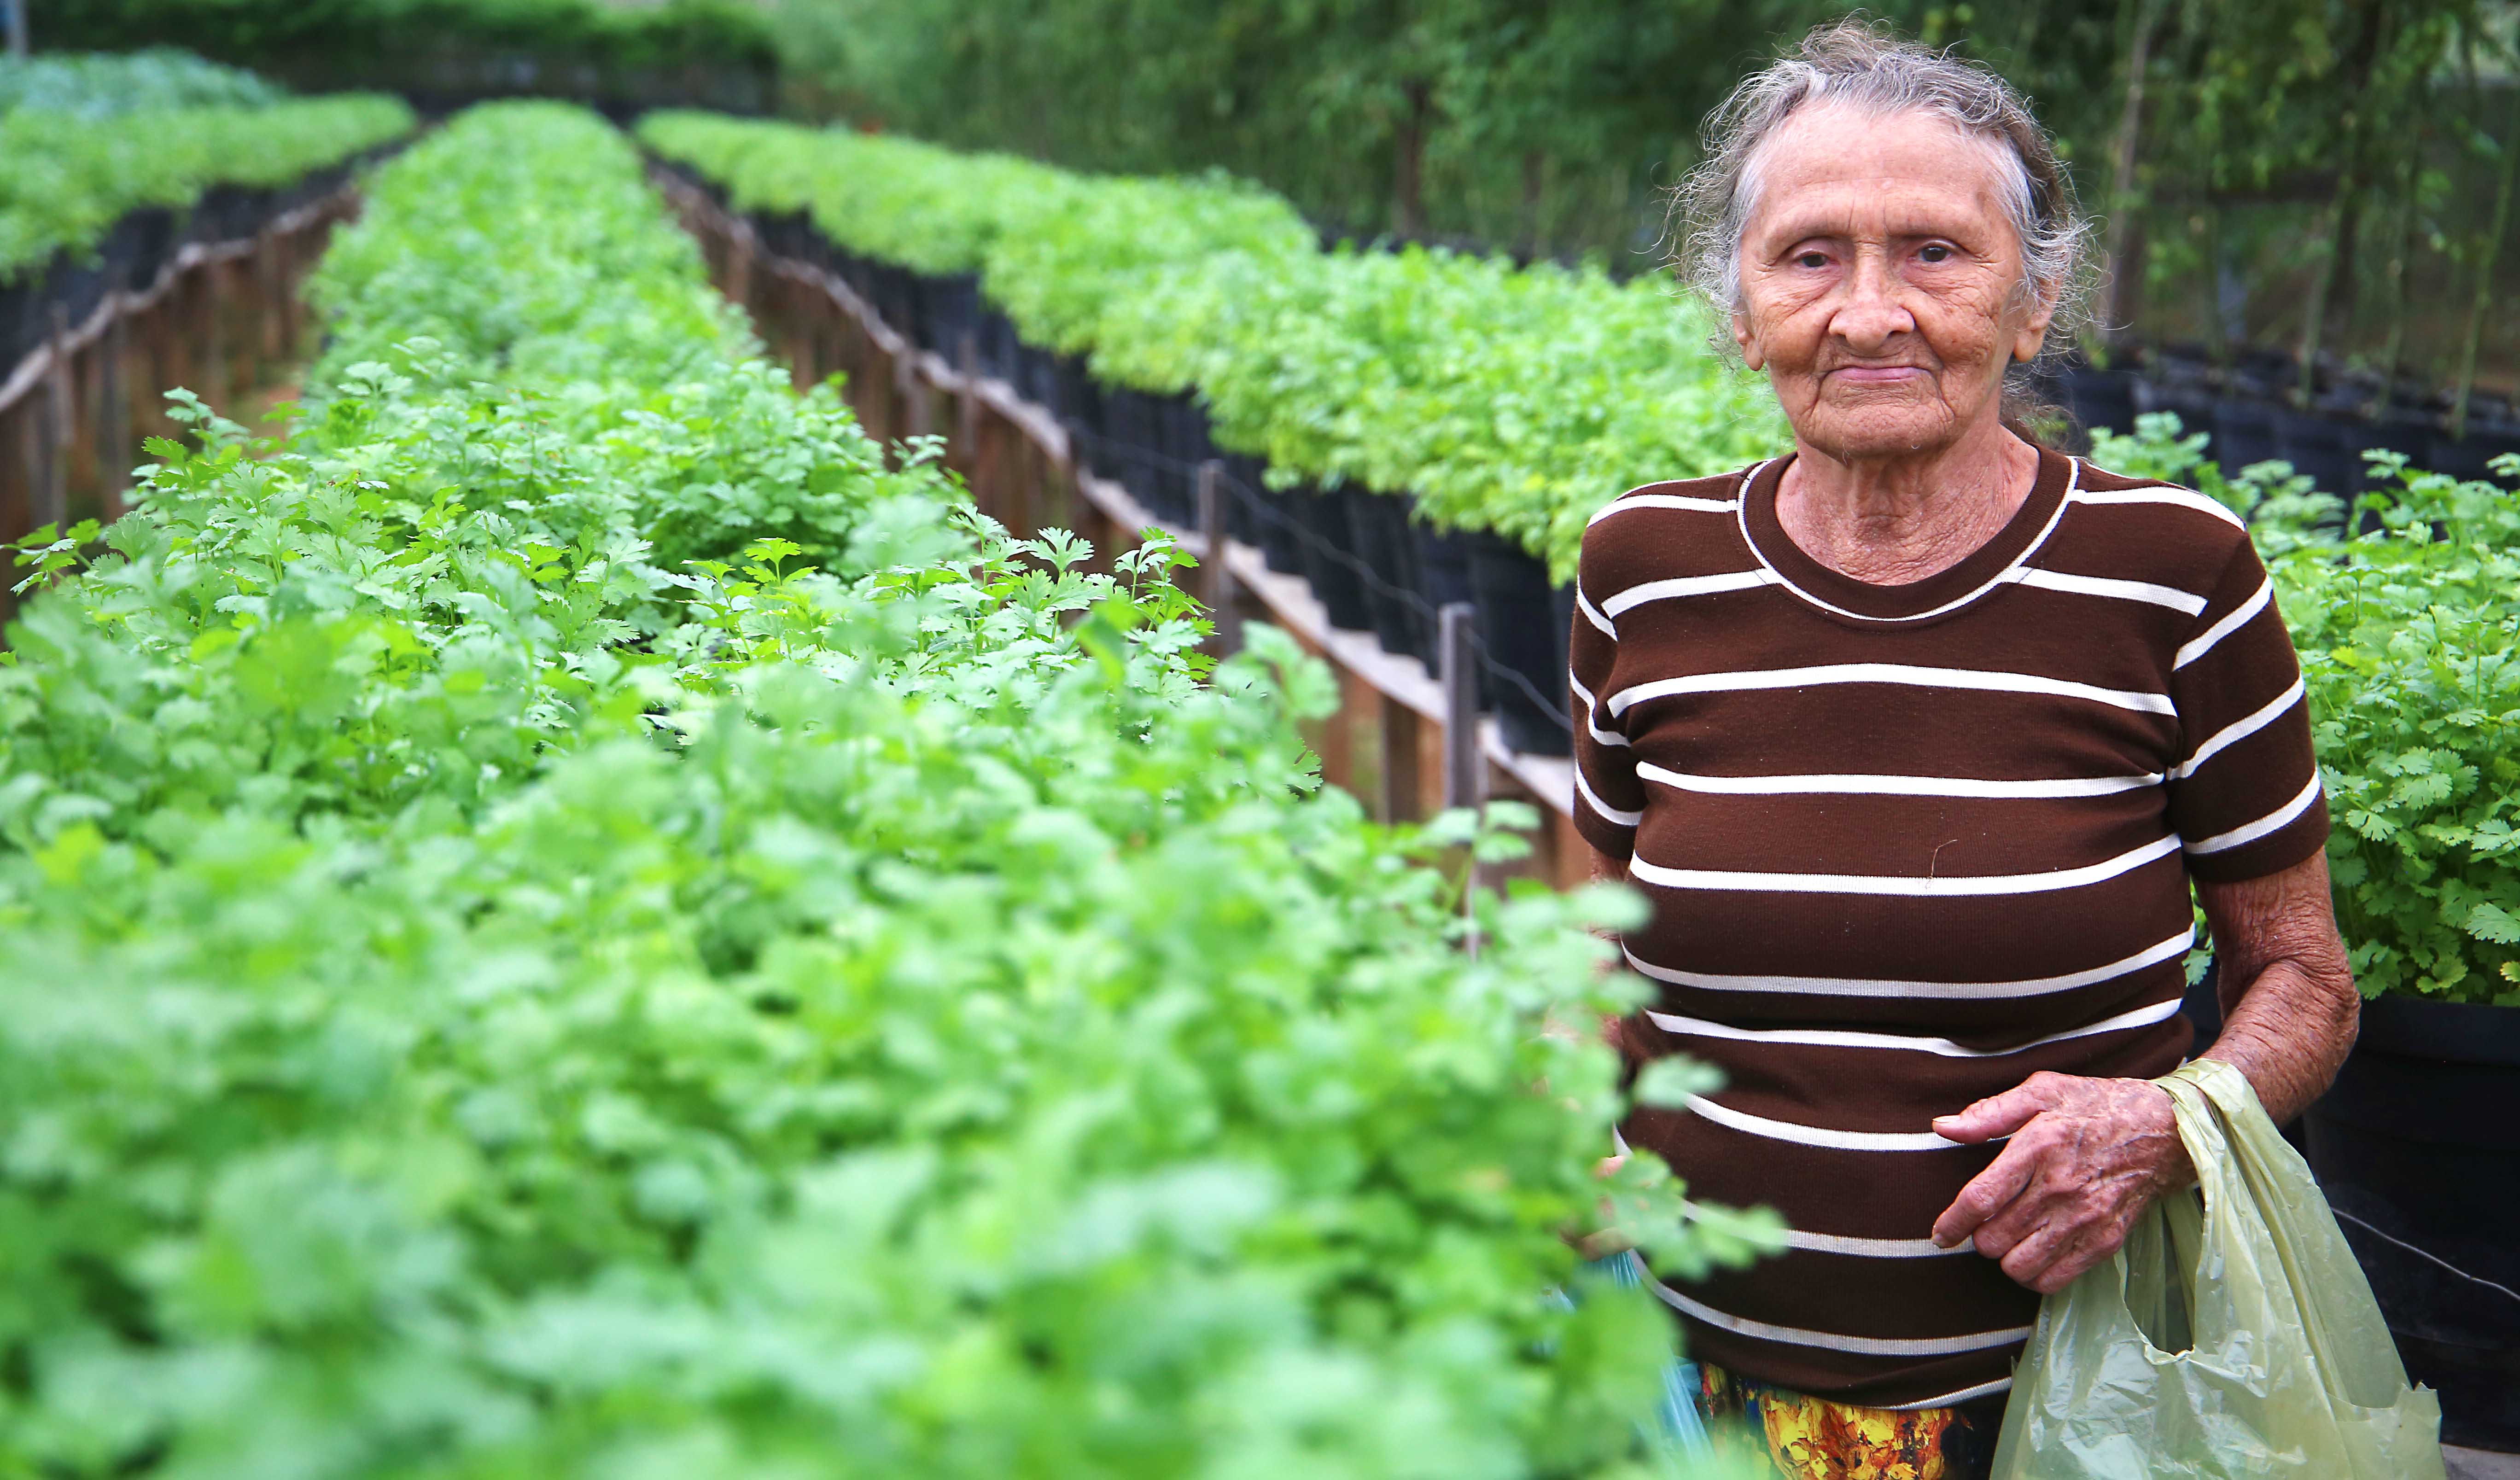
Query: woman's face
1879	278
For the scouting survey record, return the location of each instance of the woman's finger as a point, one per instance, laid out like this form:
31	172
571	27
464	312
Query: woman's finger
2005	1113
1986	1193
2064	1252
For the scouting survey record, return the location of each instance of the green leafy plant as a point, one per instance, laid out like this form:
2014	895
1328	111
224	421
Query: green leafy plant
65	179
2409	630
566	919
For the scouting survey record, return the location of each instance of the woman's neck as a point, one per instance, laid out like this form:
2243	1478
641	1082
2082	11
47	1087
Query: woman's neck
1893	520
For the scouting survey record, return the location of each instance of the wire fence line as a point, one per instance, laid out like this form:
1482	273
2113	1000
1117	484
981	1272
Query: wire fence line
1261	505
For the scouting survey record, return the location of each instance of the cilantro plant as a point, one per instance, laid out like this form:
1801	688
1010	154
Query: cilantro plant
567	920
2410	639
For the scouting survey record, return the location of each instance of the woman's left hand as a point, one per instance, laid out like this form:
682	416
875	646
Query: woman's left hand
2086	1156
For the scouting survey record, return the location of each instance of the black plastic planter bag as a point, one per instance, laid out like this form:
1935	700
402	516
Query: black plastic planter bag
1518	623
1242	520
1073	394
1442	558
1281	546
2232	1337
1382	541
1323	512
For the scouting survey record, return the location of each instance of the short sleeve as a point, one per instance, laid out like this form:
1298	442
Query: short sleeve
1609	800
2244	797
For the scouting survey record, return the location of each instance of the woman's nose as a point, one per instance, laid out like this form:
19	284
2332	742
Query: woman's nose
1871	313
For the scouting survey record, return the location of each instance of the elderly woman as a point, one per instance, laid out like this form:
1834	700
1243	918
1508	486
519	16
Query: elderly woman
1917	737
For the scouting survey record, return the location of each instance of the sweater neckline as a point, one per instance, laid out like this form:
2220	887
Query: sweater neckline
1997	562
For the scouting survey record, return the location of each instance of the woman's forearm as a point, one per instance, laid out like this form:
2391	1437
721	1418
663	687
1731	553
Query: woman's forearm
2287	988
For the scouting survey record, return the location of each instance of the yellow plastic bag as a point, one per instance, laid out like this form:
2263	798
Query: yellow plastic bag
2239	1338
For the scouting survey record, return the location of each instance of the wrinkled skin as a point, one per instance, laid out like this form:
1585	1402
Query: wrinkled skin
1882	295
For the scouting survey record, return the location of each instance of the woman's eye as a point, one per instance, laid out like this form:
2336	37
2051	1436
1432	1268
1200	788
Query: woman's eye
1811	259
1935	252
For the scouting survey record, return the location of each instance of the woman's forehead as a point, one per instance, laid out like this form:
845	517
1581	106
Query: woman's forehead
1832	169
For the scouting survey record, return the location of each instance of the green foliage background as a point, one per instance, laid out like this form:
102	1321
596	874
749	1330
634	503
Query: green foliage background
2297	174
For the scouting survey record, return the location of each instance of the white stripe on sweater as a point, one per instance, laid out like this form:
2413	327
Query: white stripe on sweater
2273	821
2176	496
1975	680
1867	784
1601	735
1939	991
1856	1038
1682	585
1626	502
1593	614
1592	799
2115	590
1908	886
1946	1400
1819	1136
1869	1346
2237	731
1856	1247
2203	643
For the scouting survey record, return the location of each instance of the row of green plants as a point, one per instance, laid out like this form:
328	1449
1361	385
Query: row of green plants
103	84
2405	609
571	917
66	178
1499	399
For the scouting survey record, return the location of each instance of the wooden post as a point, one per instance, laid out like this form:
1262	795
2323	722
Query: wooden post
1337	737
113	440
84	472
287	260
918	416
1216	582
268	291
163	344
739	268
215	338
1463	772
1403	782
52	489
966	418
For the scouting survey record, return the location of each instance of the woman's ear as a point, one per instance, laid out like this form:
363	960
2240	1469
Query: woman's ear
2032	335
1751	354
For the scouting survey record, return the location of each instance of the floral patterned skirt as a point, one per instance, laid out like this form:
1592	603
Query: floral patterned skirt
1816	1439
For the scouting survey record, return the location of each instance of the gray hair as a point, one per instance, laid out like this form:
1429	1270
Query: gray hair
1866	65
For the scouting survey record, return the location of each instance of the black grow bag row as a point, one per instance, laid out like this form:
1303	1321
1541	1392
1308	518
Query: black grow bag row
1152	445
138	248
2251	423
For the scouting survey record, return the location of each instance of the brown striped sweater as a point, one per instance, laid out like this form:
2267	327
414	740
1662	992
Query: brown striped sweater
1907	845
